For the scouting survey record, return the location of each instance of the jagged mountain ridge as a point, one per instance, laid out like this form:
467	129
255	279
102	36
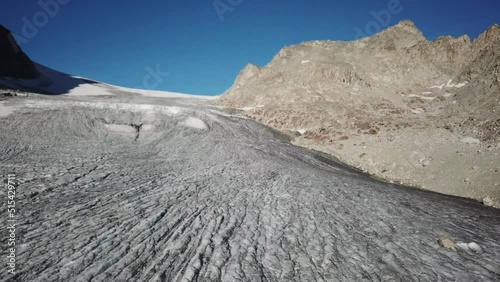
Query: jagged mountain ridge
399	57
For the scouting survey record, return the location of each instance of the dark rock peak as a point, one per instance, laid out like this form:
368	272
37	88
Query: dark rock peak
13	61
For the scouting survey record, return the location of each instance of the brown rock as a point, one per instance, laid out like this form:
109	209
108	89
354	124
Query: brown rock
446	243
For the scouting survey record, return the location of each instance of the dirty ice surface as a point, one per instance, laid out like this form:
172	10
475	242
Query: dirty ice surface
177	190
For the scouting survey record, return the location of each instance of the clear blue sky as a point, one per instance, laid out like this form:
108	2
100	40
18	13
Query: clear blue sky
203	50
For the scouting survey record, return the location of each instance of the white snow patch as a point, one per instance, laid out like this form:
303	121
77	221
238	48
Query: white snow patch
147	127
426	93
427	98
88	90
302	131
52	81
437	86
470	140
449	84
417	111
462	246
421	97
6	110
247	109
305	61
121	128
475	247
195	123
469	247
163	94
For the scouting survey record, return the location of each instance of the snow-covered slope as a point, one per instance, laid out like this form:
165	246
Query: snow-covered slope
58	83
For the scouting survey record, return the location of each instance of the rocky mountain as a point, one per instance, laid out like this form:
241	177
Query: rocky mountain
396	105
480	99
13	61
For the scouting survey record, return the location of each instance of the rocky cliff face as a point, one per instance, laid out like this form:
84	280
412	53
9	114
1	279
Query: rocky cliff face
399	57
478	103
358	100
13	61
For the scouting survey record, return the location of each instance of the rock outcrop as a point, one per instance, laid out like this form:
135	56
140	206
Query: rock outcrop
395	105
13	61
